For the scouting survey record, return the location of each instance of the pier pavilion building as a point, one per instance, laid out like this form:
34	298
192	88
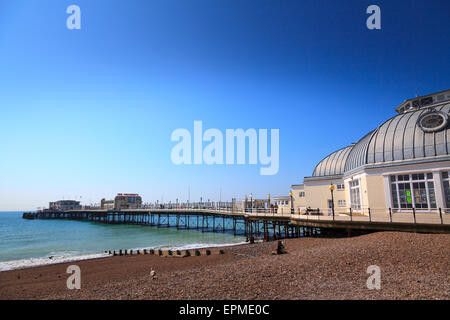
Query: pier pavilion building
400	166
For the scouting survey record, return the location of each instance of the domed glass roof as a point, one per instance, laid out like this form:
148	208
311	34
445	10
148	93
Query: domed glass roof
403	138
422	134
333	164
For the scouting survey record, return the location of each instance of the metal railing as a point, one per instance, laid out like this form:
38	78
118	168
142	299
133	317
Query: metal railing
363	213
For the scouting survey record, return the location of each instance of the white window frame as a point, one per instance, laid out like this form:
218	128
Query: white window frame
350	188
441	176
413	200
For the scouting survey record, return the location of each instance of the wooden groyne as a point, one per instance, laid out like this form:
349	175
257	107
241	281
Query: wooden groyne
167	253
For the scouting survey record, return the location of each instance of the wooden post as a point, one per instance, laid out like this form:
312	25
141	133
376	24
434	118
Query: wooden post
440	214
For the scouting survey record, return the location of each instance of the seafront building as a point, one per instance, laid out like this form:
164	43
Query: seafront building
63	205
401	166
282	203
106	204
122	201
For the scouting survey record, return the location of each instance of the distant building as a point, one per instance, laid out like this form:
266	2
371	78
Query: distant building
127	201
283	204
106	204
63	205
250	203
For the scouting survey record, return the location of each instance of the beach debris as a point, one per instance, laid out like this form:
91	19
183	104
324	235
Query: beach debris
153	274
280	248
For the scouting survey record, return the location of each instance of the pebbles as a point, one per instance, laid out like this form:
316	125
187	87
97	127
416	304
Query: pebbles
413	266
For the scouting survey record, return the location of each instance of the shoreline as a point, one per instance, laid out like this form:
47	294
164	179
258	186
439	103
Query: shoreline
413	266
46	261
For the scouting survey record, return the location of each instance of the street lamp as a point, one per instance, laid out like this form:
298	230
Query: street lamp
292	203
268	201
332	199
245	205
251	202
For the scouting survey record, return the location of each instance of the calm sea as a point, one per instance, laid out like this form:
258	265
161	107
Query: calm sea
32	242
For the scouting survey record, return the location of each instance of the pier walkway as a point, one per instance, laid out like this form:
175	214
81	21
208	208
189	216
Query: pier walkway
260	222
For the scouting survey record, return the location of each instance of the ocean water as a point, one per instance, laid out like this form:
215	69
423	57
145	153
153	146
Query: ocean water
26	243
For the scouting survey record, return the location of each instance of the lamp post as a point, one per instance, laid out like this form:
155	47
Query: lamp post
332	199
245	205
268	201
292	202
251	202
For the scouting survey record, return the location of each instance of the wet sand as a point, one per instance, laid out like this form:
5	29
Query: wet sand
413	266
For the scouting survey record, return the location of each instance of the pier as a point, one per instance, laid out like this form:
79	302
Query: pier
259	223
204	220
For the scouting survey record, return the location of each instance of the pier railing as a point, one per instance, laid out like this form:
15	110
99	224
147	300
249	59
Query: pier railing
366	214
435	220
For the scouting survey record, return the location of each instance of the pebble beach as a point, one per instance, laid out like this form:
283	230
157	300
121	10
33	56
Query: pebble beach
413	266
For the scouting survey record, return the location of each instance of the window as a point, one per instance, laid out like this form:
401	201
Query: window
355	195
301	194
341	203
446	184
413	191
341	186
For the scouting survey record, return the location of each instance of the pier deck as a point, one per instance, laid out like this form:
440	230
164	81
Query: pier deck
261	223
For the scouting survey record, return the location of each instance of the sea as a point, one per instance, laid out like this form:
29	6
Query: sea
26	243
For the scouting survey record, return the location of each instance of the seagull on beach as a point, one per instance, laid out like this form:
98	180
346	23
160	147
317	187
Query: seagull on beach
153	274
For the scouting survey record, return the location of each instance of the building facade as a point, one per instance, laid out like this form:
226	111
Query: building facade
401	166
127	201
64	205
106	204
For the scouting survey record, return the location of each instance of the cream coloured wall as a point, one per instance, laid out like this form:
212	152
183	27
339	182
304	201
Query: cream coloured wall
376	196
299	202
317	195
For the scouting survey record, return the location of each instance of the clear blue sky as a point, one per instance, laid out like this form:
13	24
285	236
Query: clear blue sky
90	112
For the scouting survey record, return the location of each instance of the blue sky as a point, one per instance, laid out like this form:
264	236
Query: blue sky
90	112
